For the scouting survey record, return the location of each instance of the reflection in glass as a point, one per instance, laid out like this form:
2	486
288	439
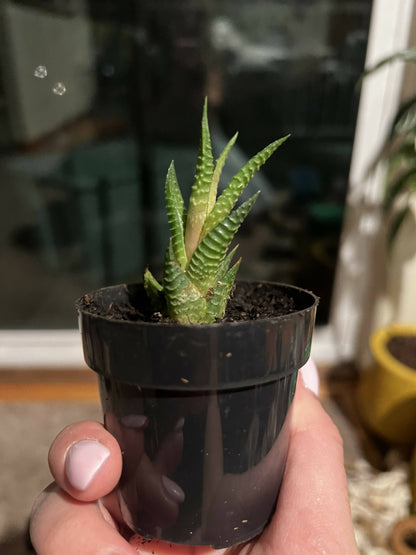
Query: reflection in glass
199	467
97	97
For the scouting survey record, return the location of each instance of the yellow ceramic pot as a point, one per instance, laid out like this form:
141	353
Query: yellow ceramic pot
413	481
387	392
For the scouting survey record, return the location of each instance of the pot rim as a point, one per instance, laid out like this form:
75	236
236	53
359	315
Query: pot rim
280	318
267	348
378	344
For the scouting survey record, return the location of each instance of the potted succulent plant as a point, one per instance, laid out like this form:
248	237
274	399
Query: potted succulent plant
197	386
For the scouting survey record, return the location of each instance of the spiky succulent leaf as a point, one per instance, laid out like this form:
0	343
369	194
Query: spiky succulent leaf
153	289
176	215
229	197
225	265
217	303
198	279
206	260
183	300
199	199
217	172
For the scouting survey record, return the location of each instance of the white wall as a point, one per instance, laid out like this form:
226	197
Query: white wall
367	284
396	271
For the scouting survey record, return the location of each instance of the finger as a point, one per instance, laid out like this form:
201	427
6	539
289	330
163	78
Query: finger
169	455
144	546
148	499
314	490
60	524
85	461
310	376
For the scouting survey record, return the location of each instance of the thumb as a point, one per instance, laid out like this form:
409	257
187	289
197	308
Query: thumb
85	461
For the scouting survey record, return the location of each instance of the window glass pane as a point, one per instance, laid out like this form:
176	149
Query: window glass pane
98	96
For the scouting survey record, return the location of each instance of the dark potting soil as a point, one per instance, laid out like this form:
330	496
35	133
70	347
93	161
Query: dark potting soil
249	301
403	348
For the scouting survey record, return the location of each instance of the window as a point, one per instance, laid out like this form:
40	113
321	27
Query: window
97	97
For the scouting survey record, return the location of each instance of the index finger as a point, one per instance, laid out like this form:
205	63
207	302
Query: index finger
313	507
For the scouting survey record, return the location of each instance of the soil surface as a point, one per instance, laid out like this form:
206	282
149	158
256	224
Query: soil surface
403	348
249	301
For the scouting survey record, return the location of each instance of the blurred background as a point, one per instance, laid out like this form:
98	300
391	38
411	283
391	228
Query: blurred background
98	96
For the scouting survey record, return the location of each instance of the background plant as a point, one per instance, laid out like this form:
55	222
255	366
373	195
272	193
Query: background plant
399	154
198	272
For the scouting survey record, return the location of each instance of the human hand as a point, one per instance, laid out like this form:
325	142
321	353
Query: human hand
79	512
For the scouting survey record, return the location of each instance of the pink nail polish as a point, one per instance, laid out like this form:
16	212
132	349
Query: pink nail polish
83	461
179	424
137	421
310	376
175	492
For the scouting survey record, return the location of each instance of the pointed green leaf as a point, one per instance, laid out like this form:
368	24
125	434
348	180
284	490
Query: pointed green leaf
218	301
396	224
176	215
197	276
408	55
398	186
200	192
225	264
183	301
400	155
229	197
405	118
204	264
217	172
395	148
153	289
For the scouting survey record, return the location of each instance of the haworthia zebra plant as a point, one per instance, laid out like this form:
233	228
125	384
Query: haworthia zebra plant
198	275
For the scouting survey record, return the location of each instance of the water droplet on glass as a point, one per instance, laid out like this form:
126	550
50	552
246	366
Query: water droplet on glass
40	72
59	89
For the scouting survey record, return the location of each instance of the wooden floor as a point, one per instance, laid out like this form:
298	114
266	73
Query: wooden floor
48	385
70	384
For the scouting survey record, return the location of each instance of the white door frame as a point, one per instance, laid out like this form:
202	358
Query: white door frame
356	277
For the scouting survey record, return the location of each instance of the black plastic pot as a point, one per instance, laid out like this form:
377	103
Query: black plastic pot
200	413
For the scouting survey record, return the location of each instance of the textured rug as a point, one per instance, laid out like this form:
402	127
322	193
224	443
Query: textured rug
26	431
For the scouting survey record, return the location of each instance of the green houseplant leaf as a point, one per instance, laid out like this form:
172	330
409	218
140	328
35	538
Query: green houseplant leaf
198	273
231	194
405	119
201	189
399	153
397	222
405	181
204	264
407	55
175	209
